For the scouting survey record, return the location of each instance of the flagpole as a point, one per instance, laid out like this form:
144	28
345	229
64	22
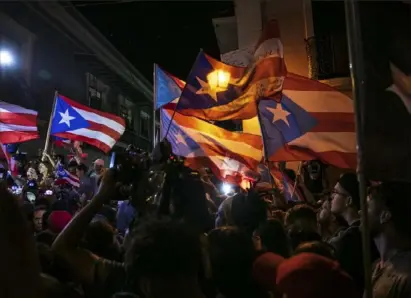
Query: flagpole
154	104
46	144
358	80
273	184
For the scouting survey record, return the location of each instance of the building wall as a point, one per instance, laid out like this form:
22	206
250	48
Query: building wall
48	63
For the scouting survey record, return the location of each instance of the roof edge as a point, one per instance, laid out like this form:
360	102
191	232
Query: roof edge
80	27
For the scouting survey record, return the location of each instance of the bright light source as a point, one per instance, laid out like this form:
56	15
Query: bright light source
6	58
218	79
226	188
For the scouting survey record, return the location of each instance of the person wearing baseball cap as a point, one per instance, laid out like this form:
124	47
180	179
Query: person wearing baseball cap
309	275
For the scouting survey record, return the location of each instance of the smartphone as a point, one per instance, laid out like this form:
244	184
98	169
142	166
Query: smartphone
48	192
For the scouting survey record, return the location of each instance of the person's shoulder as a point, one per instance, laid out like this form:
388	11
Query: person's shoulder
109	275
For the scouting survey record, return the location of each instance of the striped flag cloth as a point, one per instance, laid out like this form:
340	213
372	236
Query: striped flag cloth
229	155
77	122
205	98
62	173
61	142
166	87
291	193
311	121
17	124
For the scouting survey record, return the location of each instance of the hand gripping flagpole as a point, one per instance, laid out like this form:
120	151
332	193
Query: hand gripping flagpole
272	181
47	142
358	78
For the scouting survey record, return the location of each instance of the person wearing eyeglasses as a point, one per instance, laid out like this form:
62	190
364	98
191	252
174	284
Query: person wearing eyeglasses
345	202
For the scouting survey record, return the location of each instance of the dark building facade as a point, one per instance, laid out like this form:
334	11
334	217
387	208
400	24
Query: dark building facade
55	48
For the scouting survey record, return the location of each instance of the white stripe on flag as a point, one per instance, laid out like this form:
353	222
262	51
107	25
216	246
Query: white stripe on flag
13	127
93	117
6	107
96	135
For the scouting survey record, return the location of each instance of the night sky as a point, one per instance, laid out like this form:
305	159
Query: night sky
167	33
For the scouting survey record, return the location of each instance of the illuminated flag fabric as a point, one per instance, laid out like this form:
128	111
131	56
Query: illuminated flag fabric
264	179
206	145
62	173
17	124
311	121
166	86
386	109
77	122
291	193
216	91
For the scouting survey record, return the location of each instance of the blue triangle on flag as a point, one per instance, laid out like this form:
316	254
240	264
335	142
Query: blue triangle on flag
283	122
66	118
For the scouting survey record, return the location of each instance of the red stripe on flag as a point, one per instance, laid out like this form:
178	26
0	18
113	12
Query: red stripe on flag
88	109
18	119
299	83
104	129
336	158
327	122
10	137
102	146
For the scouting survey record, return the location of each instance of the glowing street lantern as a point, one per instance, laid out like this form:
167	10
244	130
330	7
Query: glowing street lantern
218	79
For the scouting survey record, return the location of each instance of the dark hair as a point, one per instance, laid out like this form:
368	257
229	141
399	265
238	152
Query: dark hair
231	254
248	211
274	238
396	197
163	248
299	212
99	239
318	247
72	163
82	167
349	182
299	237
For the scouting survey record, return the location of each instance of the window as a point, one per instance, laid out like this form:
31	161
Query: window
94	94
330	39
127	114
144	125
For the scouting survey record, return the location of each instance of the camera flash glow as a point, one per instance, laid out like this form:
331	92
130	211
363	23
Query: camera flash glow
226	188
6	58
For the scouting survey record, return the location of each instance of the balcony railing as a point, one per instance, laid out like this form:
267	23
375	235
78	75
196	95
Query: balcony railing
328	56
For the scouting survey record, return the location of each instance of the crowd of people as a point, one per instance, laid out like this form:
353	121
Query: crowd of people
88	241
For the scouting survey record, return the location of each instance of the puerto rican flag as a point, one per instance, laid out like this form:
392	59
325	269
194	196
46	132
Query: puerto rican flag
10	160
61	142
77	122
62	173
17	124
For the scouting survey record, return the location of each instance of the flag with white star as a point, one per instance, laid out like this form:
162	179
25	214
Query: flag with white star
310	121
167	87
77	122
216	91
206	145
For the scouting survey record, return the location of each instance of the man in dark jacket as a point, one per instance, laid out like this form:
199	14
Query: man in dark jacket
348	245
